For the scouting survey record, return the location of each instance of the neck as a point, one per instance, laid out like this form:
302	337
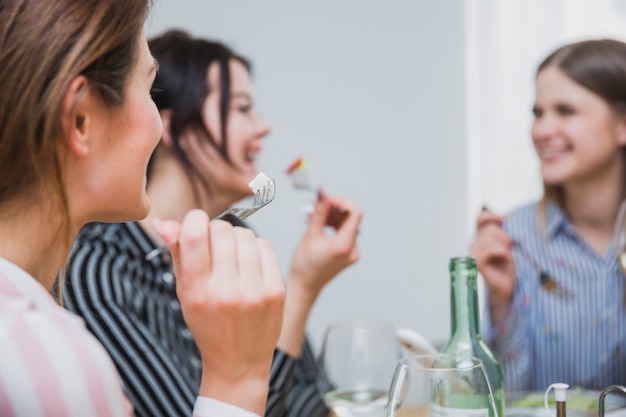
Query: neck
171	194
592	206
34	239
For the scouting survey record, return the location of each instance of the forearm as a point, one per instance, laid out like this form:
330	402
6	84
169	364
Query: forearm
499	308
510	344
298	304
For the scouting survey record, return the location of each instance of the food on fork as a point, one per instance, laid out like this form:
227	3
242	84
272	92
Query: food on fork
297	172
258	182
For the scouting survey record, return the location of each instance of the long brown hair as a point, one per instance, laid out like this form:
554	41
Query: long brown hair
600	67
44	45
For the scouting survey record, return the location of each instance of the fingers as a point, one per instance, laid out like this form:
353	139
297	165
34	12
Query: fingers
320	212
224	245
486	217
249	263
168	229
349	230
192	254
272	277
490	242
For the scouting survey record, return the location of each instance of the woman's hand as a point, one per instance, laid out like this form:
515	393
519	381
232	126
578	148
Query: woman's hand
231	294
492	249
318	258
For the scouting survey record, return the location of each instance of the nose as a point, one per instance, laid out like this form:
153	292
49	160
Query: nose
262	127
544	127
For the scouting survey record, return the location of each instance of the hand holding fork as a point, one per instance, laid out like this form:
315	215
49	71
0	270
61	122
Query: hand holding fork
494	254
264	192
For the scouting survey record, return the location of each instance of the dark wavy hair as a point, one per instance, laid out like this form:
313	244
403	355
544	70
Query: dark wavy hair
182	86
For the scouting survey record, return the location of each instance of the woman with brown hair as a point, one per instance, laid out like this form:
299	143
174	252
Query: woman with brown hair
212	138
77	127
556	310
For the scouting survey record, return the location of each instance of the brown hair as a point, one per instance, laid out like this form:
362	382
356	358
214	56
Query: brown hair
44	45
600	67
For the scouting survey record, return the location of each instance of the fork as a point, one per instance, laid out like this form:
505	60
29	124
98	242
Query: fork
262	197
297	172
547	282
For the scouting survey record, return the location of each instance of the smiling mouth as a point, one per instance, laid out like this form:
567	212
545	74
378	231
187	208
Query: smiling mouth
553	152
252	154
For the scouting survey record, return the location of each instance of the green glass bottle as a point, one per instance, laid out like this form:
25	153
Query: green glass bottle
465	337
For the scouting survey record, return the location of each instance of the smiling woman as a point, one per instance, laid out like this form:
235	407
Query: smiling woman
579	134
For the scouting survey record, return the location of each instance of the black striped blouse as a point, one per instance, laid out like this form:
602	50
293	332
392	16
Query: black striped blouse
130	305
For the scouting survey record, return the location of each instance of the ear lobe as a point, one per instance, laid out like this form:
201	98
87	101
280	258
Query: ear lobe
166	119
74	117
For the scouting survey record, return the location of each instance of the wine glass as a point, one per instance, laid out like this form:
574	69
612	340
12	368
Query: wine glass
356	362
440	385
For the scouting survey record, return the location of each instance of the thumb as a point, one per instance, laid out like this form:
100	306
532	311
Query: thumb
320	212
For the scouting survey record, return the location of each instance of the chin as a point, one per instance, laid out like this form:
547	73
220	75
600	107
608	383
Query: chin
556	175
133	212
553	179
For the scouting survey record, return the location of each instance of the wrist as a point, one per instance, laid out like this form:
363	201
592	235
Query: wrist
230	390
499	307
297	289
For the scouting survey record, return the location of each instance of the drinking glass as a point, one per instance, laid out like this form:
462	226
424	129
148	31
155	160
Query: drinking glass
357	360
442	386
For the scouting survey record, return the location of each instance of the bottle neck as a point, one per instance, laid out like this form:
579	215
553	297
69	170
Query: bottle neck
464	302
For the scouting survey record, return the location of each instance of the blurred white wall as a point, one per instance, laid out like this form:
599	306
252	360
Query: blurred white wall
508	40
419	111
371	93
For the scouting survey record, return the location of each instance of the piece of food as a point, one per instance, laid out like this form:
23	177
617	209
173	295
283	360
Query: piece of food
260	181
298	163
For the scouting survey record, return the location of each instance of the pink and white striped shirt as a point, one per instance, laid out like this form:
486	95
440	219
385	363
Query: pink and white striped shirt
50	365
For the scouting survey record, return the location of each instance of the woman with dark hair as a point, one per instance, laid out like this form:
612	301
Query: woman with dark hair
556	310
206	158
77	128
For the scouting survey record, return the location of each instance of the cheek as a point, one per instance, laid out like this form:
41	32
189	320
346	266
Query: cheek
152	127
210	117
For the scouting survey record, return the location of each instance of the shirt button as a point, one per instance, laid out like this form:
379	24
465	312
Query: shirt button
175	305
168	277
186	333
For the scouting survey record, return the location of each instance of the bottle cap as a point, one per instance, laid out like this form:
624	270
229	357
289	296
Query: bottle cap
560	391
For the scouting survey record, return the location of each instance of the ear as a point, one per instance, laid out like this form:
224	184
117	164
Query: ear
166	119
75	119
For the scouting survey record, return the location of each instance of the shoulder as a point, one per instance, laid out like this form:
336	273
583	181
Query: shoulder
102	254
50	347
113	234
98	241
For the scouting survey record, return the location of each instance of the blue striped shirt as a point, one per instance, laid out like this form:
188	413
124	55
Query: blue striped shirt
579	337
